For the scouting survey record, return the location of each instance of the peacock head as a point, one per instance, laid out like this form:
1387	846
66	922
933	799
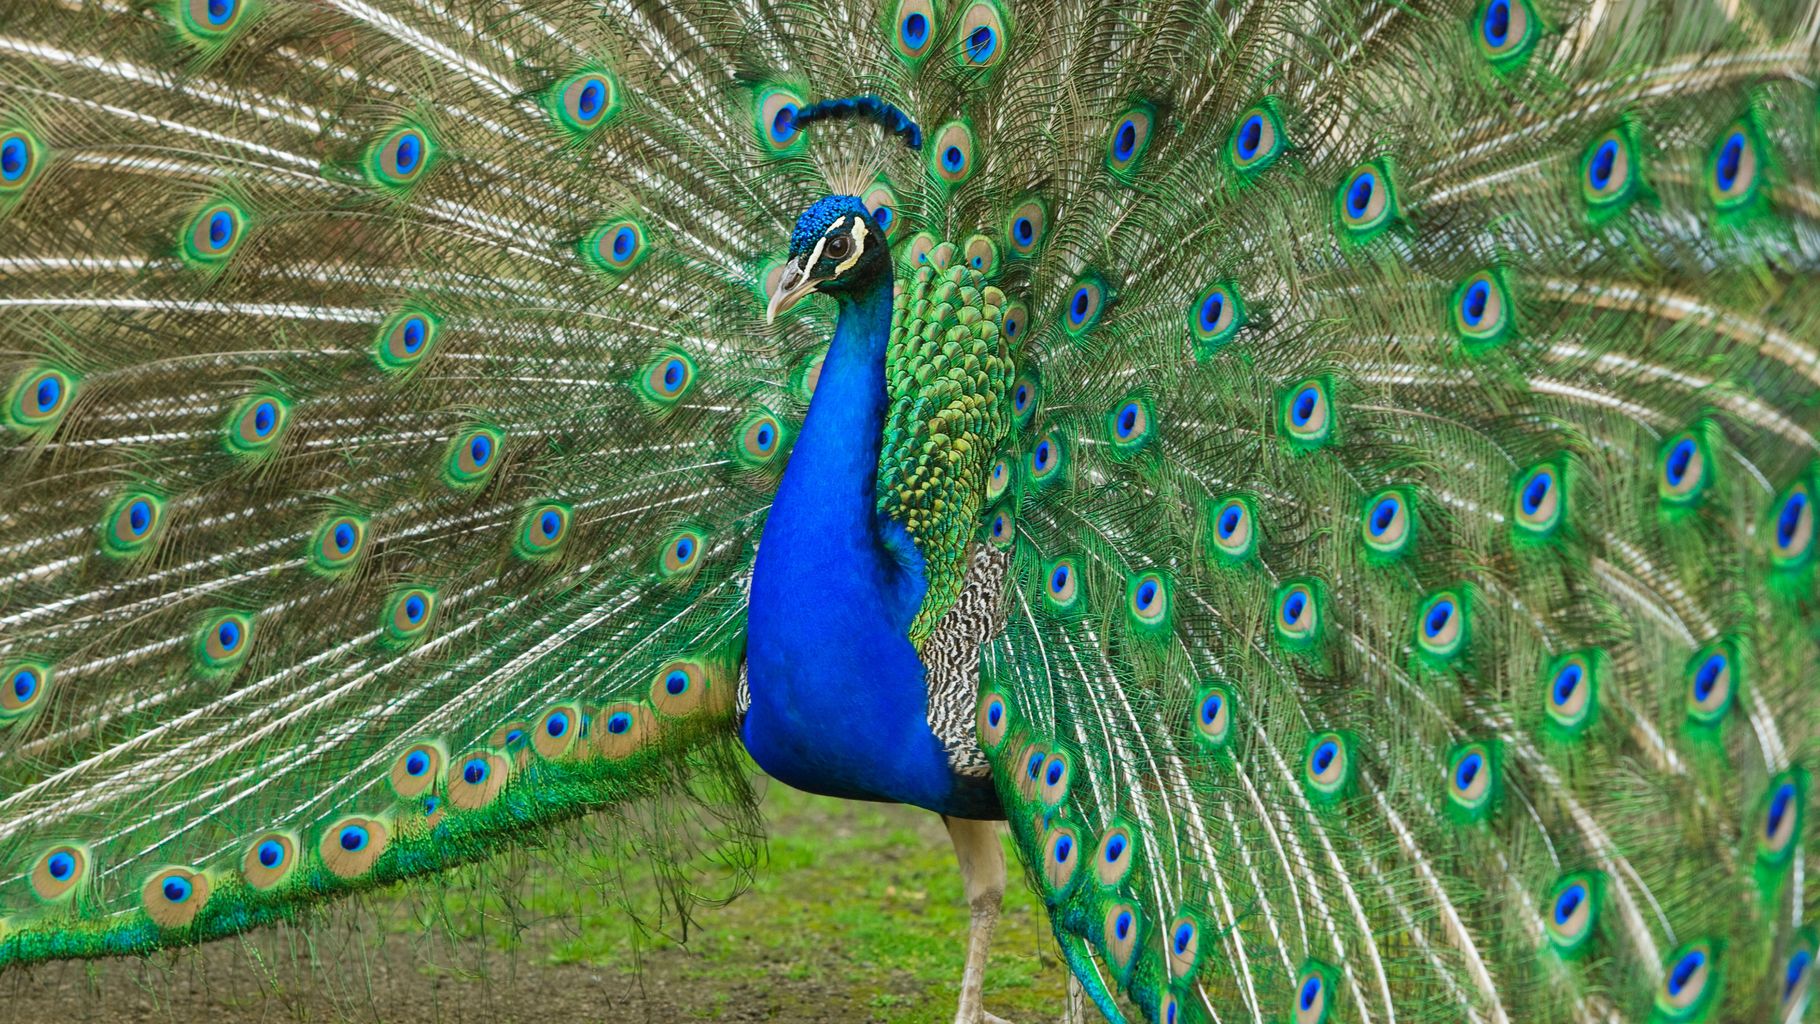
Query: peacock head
837	248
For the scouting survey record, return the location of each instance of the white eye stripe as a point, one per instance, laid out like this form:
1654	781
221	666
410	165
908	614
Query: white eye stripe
859	247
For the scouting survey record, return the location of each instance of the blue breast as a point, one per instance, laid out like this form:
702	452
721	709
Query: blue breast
839	701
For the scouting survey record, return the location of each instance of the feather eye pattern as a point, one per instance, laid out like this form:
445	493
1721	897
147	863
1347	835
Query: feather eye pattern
1411	387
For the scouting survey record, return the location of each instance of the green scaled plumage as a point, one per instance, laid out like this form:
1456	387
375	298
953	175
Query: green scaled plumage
1409	439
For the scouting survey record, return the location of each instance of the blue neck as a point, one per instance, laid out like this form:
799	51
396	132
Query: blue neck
839	695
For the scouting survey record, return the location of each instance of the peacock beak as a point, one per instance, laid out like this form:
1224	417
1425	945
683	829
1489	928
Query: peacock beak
792	285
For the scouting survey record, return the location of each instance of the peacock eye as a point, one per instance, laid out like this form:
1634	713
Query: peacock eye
839	246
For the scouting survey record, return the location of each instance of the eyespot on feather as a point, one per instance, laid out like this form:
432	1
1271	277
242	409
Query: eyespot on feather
269	860
1082	308
404	339
1147	601
981	36
25	686
667	378
1182	951
173	896
1234	528
557	733
476	778
1506	31
1061	856
1611	173
132	523
883	204
1780	817
1327	768
952	156
619	730
993	721
1062	585
337	544
1684	468
1129	140
1690	978
681	553
1047	459
1735	167
1714	677
1571	912
1298	613
615	247
1215	316
1026	227
401	158
350	846
913	29
1481	310
209	23
776	120
1114	856
1539	500
583	102
1314	994
1121	932
223	642
1366	203
1213	716
679	688
21	154
214	233
40	397
257	424
419	769
1257	140
1791	526
1571	685
542	531
1473	780
60	871
1306	415
1441	624
473	453
408	615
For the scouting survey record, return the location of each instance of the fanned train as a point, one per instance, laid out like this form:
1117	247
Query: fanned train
1336	476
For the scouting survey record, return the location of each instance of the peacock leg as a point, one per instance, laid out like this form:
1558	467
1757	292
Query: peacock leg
982	860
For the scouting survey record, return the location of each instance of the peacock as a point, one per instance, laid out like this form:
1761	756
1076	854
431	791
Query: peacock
1335	478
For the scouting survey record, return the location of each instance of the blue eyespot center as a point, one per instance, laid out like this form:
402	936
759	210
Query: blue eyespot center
1293	607
619	723
593	97
221	228
1796	971
884	216
1034	766
416	763
408	151
1473	303
1779	805
1230	519
1497	23
1128	418
353	838
139	516
550	524
1731	160
915	30
1125	143
673	374
61	866
228	633
50	390
1358	196
1058	580
1706	679
1438	618
1311	990
765	436
1604	161
414	608
1536	492
1042	455
1122	927
176	890
1054	774
13	158
1684	971
676	682
1064	848
1302	410
476	771
557	725
1020	397
1566	682
25	683
1146	594
1251	135
995	713
981	44
624	241
271	853
783	124
953	158
1324	756
480	449
1383	515
1115	848
685	549
1023	231
1184	934
1213	307
344	537
1467	771
1077	309
1568	902
1680	457
1210	709
413	335
1788	521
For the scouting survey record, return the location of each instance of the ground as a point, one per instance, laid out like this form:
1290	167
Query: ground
855	916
